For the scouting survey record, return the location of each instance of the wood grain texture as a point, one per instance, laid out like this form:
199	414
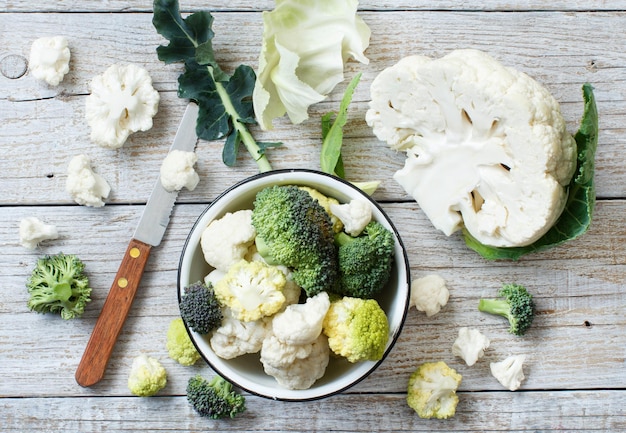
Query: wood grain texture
576	368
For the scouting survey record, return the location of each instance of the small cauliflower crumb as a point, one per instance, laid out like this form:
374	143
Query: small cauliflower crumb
177	171
86	187
509	371
50	59
33	231
470	345
429	294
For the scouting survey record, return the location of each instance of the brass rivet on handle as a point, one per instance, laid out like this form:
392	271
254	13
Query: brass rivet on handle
134	252
122	282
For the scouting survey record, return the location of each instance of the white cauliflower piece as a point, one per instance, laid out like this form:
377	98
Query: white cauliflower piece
235	337
213	277
177	171
509	371
429	294
295	366
226	240
86	187
122	101
487	146
354	215
470	345
301	323
34	231
50	59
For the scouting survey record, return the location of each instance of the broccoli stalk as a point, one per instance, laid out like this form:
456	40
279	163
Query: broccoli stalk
294	230
365	262
58	285
200	309
516	305
214	399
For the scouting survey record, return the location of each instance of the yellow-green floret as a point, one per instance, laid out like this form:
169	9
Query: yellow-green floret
432	389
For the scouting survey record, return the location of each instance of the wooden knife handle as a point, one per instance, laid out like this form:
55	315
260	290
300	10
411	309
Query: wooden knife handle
114	312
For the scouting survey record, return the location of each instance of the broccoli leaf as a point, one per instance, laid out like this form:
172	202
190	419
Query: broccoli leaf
578	211
224	102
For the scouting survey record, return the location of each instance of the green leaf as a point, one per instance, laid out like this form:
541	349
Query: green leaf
577	214
224	102
330	156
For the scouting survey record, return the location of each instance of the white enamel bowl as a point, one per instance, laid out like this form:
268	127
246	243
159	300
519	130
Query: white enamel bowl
246	372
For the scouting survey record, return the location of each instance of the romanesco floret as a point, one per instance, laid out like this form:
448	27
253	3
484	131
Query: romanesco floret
59	285
365	262
179	345
200	308
294	230
147	376
357	329
215	398
432	389
515	304
252	290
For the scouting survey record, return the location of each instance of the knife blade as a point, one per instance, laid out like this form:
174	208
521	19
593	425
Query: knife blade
147	235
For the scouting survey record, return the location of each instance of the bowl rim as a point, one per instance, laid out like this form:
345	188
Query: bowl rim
393	338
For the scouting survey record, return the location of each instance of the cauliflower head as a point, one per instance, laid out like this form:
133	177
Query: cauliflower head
429	294
49	59
470	345
301	323
251	290
225	241
295	366
509	372
432	389
147	376
179	345
177	171
487	146
357	329
122	101
84	185
33	231
235	337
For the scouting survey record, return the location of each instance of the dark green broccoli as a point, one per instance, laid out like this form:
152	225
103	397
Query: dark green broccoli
214	399
294	230
199	308
365	262
58	285
516	305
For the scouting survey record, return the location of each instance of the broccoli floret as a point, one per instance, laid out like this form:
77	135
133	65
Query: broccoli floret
200	308
58	285
294	230
516	305
431	390
214	399
357	329
365	262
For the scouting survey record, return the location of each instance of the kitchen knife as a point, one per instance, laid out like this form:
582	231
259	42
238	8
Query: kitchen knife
148	234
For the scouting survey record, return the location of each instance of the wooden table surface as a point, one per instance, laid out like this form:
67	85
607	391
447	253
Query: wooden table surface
575	368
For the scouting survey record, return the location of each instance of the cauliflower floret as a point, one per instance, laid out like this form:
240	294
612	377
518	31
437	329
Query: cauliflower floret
429	294
251	290
122	101
179	345
354	215
301	323
33	231
177	171
509	371
86	187
235	337
226	240
357	329
432	389
50	59
470	345
487	146
295	366
147	376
